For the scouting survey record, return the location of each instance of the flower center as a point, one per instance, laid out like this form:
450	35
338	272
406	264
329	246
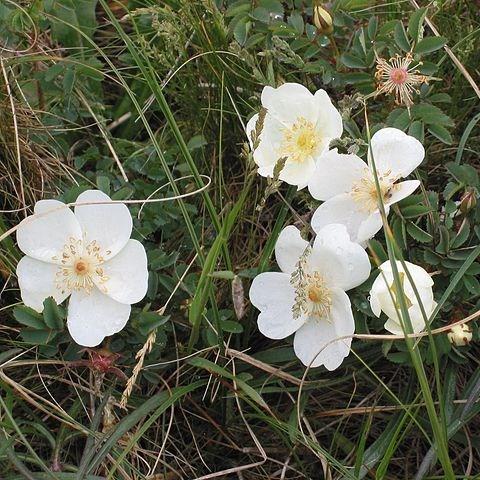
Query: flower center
80	267
300	141
398	75
319	296
364	192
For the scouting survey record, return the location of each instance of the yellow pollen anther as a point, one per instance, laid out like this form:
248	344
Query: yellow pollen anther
300	141
364	192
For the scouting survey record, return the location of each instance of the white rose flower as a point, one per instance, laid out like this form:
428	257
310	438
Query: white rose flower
87	255
383	289
347	186
298	126
308	296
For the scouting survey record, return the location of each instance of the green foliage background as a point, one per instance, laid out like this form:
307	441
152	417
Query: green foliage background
164	89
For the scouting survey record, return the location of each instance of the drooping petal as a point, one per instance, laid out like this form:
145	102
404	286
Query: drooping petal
94	316
352	263
396	152
315	344
402	190
329	119
335	174
37	282
288	249
340	209
273	295
370	226
289	102
44	234
298	173
110	225
127	274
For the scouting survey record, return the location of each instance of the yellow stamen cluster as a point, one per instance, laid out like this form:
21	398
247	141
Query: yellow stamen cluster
80	267
364	192
319	296
300	141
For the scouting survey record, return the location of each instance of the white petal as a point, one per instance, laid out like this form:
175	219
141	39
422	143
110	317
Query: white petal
37	282
298	173
335	174
288	249
353	265
329	119
94	316
370	226
109	224
127	274
402	190
420	276
273	295
44	234
397	152
340	209
289	102
312	342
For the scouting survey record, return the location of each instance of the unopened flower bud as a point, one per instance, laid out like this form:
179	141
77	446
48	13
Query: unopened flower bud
322	19
468	201
460	335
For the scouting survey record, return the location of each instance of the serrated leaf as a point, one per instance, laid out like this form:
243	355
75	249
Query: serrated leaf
352	61
418	234
415	23
429	44
37	337
53	315
29	317
441	133
400	37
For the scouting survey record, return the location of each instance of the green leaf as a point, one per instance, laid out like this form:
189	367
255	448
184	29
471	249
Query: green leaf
416	130
53	315
465	174
37	337
400	37
29	317
429	44
441	133
296	21
415	211
472	284
231	326
352	61
418	234
415	23
149	321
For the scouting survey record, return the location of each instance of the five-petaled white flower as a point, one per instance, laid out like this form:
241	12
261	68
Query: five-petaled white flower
347	185
87	255
308	296
298	127
385	297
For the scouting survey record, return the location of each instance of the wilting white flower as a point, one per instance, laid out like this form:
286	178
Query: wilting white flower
384	296
347	185
308	296
297	127
87	255
460	335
